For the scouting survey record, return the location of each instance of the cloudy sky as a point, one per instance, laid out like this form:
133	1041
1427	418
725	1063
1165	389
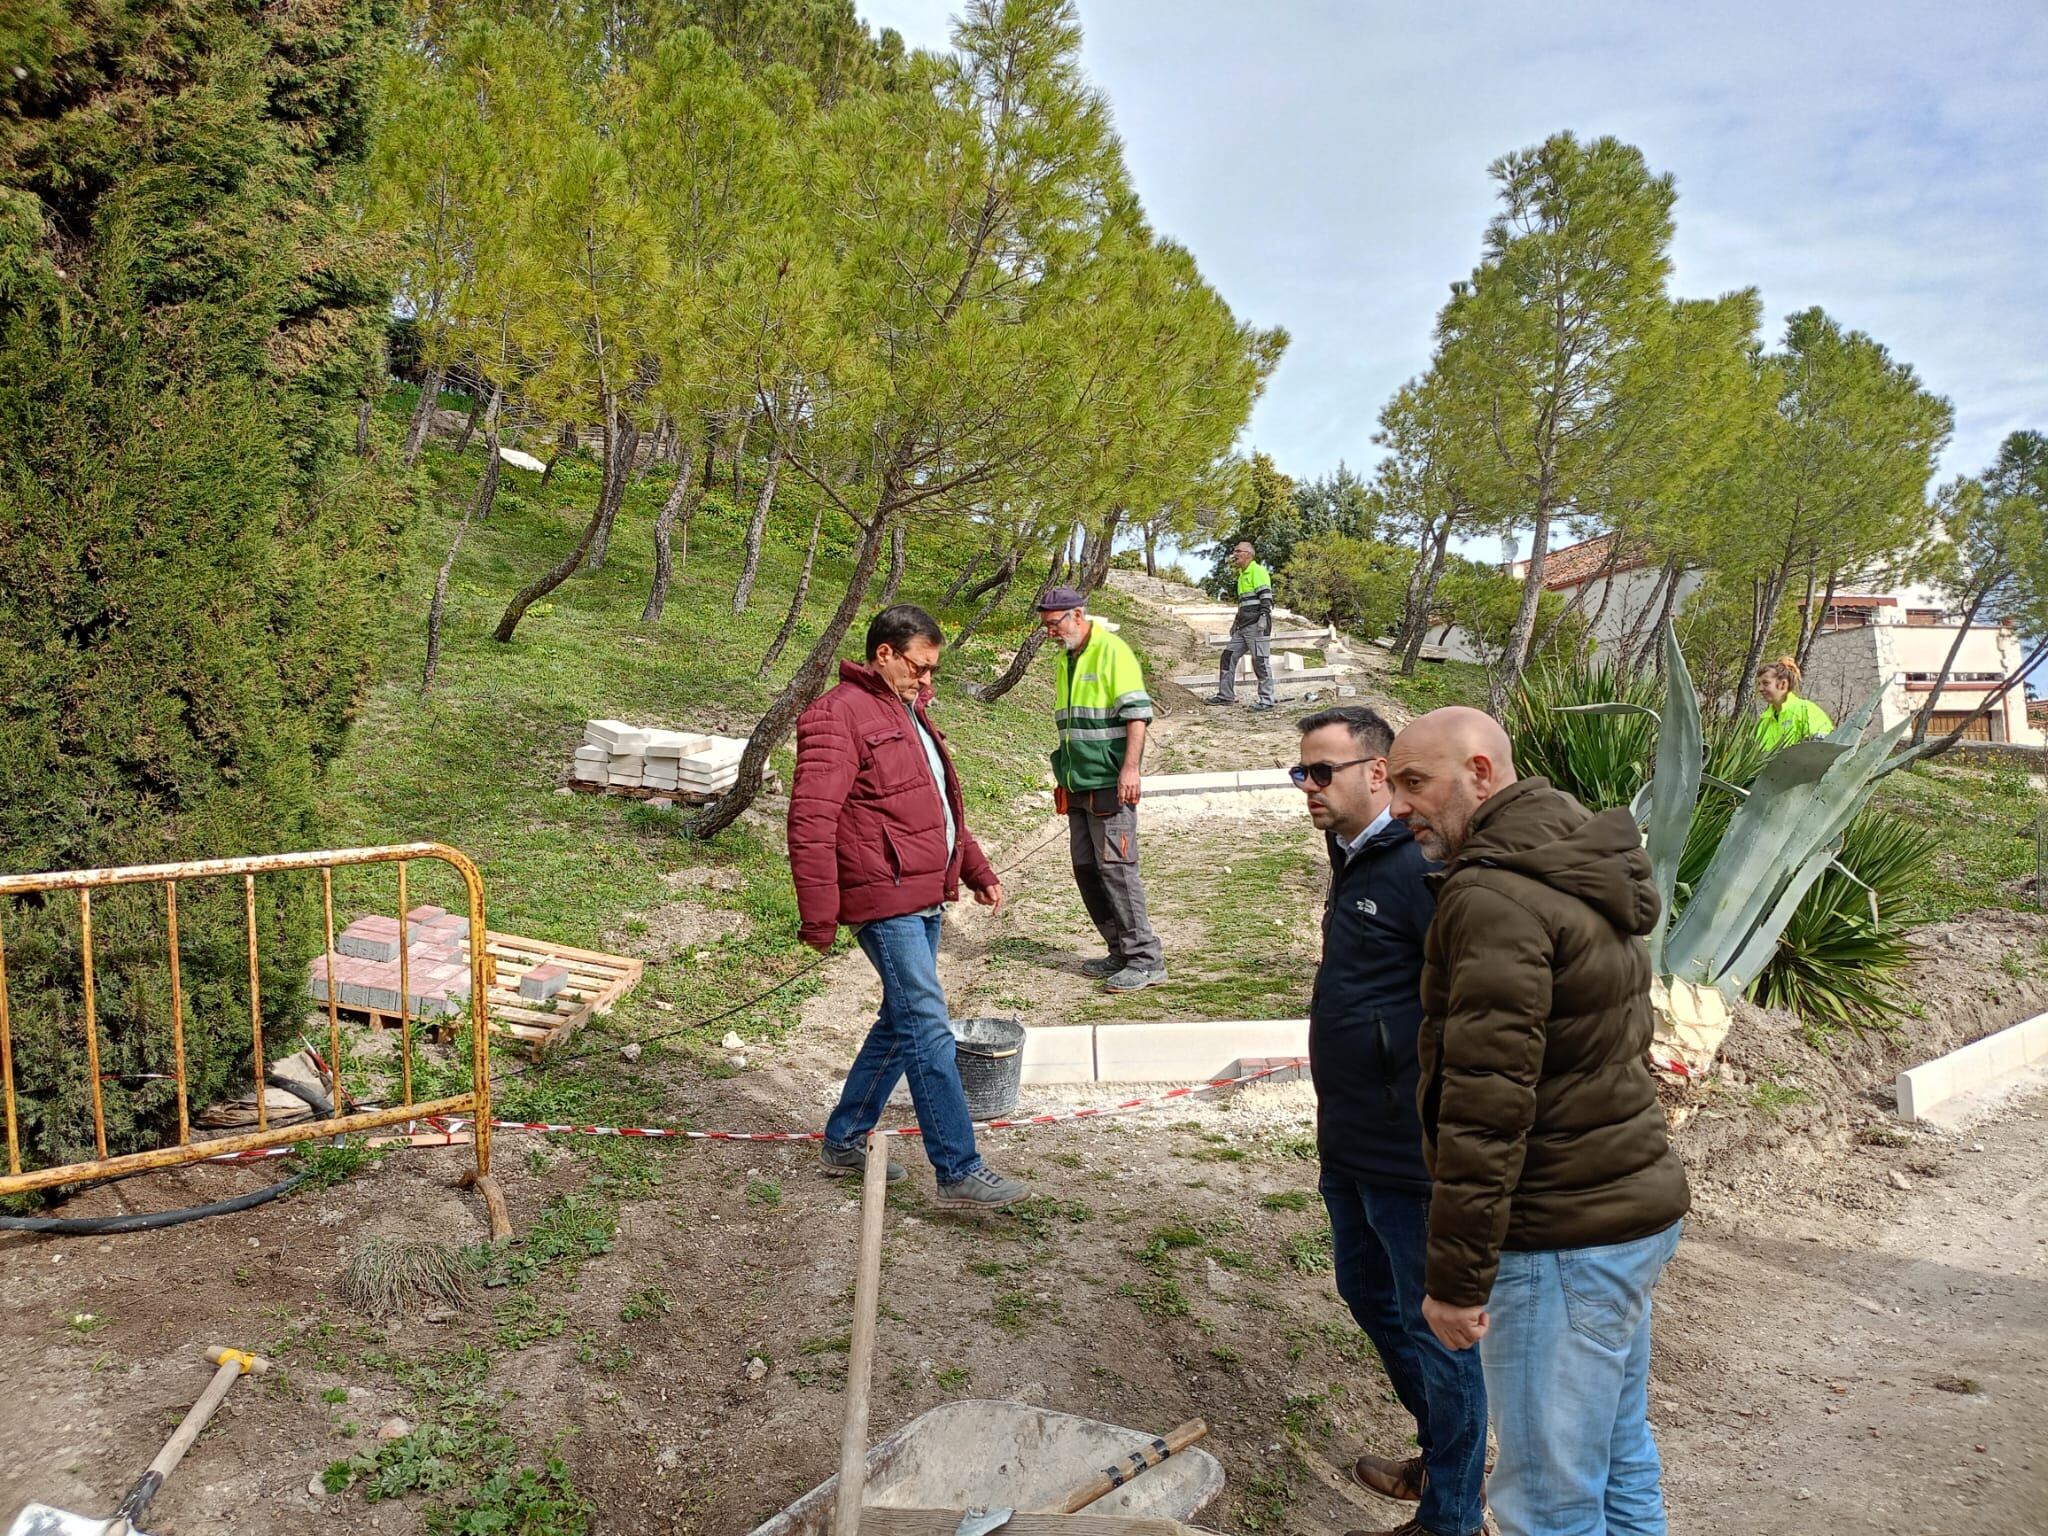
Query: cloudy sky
1326	162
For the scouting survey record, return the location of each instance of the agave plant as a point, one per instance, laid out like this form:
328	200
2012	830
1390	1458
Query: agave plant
1783	833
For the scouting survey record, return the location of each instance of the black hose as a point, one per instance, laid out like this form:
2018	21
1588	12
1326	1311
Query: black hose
147	1221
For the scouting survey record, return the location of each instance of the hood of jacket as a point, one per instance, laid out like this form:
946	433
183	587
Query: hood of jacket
1540	832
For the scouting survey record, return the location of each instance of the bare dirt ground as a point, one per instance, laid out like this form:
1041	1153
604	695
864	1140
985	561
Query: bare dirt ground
1852	1339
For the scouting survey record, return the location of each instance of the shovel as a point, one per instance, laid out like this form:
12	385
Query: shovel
43	1520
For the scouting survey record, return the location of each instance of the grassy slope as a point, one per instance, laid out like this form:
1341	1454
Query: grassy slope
478	764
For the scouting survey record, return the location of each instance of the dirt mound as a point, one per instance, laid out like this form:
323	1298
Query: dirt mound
1783	1097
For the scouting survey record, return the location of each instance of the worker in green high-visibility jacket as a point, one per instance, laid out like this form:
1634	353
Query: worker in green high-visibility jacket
1251	631
1103	712
1787	717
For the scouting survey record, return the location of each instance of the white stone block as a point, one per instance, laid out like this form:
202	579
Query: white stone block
615	736
668	744
1191	1052
589	773
588	754
1264	778
627	762
1059	1053
1187	783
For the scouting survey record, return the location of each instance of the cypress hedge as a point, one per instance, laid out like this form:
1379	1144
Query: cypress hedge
188	554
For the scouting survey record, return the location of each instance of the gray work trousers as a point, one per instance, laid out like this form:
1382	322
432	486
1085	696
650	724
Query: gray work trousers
1105	850
1254	641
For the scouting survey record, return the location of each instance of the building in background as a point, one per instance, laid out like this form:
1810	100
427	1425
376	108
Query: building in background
1899	638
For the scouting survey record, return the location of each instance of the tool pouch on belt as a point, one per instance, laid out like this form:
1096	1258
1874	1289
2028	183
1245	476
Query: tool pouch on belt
1059	800
1104	802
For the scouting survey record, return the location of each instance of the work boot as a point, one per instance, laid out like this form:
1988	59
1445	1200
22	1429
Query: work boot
1134	979
1217	698
1391	1479
841	1161
1414	1528
982	1190
1097	970
1261	708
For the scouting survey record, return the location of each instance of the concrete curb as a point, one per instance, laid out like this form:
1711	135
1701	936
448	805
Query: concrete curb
1977	1072
1215	783
1155	1053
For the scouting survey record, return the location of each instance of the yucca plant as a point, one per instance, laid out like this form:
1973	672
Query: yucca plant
1741	844
1838	961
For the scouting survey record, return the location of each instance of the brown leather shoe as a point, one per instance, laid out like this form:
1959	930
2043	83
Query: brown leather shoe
1390	1479
1405	1528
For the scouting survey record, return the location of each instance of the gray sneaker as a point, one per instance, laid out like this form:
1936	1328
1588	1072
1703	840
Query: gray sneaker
841	1161
1107	966
1132	979
982	1190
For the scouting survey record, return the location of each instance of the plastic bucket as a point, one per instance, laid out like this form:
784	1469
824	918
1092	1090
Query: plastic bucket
990	1054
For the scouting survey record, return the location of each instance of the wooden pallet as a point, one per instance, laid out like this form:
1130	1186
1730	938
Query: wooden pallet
596	982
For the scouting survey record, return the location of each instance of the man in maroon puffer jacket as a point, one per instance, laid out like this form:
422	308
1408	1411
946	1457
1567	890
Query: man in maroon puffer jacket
878	840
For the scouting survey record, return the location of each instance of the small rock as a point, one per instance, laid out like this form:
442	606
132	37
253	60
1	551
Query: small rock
393	1428
1976	1146
756	1368
631	1050
1804	1493
662	803
444	1315
564	790
732	1041
316	1487
1900	1181
737	1061
664	1006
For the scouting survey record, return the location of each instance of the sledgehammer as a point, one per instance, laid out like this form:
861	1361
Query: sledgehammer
43	1520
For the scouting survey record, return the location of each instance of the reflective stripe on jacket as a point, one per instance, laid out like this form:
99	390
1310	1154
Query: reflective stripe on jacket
1254	598
1099	691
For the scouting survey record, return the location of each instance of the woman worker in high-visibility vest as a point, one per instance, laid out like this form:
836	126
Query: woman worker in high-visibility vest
1787	717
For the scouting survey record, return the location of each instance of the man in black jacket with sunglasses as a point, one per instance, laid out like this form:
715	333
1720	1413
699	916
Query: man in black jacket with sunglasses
1364	1016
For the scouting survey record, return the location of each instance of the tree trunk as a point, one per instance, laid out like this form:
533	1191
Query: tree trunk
1515	655
739	455
1577	601
1013	674
423	415
1002	576
476	411
1925	715
1760	632
618	474
1628	658
545	583
966	573
750	567
989	604
478	510
364	407
1151	553
806	684
1810	631
1419	630
1651	648
683	491
566	441
795	614
899	557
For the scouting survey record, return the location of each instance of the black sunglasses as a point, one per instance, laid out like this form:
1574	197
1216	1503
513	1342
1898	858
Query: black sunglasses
1322	773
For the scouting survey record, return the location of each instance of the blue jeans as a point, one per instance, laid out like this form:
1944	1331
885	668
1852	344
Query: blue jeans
1379	1238
911	1038
1568	1373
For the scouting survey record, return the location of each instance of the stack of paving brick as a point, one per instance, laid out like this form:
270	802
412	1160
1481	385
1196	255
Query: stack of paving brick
366	964
628	759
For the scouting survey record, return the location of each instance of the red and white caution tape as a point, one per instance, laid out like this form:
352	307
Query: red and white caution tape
553	1128
451	1130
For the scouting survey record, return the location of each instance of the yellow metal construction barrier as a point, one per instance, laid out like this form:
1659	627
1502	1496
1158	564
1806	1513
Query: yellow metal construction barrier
475	1104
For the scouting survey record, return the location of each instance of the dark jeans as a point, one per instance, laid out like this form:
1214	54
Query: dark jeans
1379	1240
911	1038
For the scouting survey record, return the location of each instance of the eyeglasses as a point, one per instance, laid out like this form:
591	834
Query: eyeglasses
1321	773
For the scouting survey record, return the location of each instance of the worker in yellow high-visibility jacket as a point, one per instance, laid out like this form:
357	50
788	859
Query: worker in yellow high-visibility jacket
1251	631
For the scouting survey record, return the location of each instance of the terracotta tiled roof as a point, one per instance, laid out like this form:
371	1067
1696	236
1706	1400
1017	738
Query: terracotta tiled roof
1566	568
